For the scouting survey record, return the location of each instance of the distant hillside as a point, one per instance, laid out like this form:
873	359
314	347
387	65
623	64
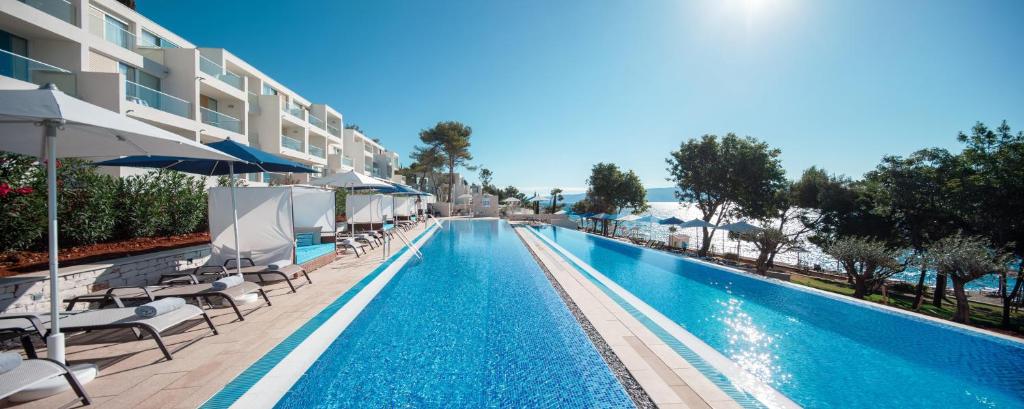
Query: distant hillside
656	194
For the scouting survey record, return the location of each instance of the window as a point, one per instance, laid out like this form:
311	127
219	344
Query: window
11	66
268	90
149	39
486	202
208	103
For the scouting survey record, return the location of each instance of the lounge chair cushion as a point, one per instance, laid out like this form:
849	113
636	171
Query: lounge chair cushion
9	361
159	307
313	232
227	282
304	239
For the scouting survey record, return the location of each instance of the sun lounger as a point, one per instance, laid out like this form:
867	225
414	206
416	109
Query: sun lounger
205	273
351	243
285	273
113	318
200	292
33	371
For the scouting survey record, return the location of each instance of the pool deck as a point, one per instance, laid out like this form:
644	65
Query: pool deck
669	380
133	374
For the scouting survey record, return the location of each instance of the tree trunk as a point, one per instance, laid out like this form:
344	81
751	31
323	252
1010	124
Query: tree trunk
919	292
1009	296
860	286
705	244
451	182
940	290
763	262
963	307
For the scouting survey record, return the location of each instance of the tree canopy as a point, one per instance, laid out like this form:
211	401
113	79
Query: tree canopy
447	142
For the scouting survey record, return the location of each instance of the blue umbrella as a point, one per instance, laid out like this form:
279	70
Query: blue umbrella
250	160
671	220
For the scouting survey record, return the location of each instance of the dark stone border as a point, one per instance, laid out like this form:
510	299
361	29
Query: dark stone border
637	393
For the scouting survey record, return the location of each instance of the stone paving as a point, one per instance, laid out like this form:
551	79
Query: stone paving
133	374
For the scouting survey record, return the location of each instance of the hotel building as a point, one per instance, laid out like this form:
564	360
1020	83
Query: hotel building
106	53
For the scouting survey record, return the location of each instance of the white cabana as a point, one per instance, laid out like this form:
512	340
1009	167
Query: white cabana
405	206
282	223
365	209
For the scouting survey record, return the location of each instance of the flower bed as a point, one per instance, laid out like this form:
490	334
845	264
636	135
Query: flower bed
18	262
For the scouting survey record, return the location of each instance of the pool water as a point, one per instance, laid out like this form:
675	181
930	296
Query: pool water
820	351
476	323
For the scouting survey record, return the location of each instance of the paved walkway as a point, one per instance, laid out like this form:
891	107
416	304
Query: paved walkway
133	374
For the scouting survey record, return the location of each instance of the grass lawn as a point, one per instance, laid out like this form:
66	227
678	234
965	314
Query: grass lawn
982	315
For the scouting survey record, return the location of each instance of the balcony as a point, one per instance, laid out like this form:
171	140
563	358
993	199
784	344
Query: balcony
254	103
294	110
152	98
220	120
317	151
209	67
108	30
334	130
26	69
317	122
61	9
291	143
347	161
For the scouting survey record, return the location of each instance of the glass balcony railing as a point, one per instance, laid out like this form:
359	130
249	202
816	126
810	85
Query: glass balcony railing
26	69
155	42
316	151
347	161
296	111
152	98
220	120
109	30
291	143
61	9
207	66
317	122
334	130
254	103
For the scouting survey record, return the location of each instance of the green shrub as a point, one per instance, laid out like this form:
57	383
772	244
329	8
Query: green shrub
22	202
86	201
184	201
140	206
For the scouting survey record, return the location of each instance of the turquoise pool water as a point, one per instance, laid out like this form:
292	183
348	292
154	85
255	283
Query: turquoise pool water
474	324
307	253
820	351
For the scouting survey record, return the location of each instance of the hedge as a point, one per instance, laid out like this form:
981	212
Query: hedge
92	207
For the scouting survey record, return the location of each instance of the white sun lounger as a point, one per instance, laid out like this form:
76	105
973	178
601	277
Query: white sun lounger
33	371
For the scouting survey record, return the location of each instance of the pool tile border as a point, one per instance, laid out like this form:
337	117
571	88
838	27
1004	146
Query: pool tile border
696	359
256	372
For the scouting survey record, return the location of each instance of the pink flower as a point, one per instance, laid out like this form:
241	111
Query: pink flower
24	190
4	189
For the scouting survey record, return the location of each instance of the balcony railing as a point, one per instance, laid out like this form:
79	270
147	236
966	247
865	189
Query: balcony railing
100	26
295	111
316	151
317	122
220	120
152	98
334	130
61	9
291	143
148	42
347	161
207	66
254	103
37	72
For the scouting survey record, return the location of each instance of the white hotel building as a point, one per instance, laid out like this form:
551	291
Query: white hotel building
106	53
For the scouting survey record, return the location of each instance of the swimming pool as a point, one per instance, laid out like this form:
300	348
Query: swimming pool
475	323
819	351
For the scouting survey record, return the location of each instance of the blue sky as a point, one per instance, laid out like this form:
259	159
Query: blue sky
552	87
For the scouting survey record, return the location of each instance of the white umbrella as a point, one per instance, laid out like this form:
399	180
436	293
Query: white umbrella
353	181
46	123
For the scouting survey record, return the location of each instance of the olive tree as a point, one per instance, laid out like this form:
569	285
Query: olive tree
965	259
867	262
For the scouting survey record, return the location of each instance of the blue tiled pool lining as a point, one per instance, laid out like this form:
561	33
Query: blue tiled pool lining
474	323
817	348
741	386
232	394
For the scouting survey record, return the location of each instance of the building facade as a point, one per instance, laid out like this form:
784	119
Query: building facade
106	53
